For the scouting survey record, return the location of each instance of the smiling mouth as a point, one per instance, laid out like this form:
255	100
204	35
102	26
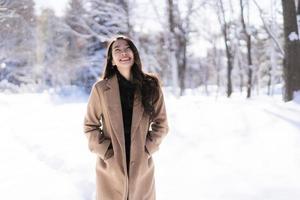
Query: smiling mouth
125	59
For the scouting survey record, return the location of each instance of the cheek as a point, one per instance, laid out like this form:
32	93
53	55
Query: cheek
131	55
114	59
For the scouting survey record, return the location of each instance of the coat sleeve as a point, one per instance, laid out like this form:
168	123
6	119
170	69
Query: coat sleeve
97	143
158	126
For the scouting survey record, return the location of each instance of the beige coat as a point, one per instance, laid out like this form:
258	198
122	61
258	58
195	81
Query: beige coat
104	111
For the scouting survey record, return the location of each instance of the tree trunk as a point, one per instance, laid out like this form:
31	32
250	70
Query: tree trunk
229	67
298	16
182	66
269	81
225	29
249	58
291	61
297	84
250	67
172	47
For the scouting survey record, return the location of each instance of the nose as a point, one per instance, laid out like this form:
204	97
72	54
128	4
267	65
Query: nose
123	52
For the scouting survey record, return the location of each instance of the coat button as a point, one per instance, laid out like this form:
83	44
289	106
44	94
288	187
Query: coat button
132	163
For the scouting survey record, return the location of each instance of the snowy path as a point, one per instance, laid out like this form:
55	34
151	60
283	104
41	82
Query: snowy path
221	149
231	149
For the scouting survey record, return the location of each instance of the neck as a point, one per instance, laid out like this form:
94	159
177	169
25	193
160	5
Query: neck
125	73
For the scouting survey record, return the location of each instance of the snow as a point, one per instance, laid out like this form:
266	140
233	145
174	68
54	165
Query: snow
58	6
3	65
217	149
293	36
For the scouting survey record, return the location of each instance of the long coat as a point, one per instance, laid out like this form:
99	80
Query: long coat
103	125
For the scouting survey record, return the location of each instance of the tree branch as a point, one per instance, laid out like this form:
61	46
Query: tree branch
268	30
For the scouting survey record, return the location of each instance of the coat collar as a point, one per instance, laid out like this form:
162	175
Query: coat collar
113	100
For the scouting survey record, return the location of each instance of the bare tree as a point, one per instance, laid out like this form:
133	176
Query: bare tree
213	59
180	28
269	29
274	43
172	44
183	40
246	31
225	27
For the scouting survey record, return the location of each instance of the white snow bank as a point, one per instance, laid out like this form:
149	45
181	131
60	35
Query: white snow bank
217	148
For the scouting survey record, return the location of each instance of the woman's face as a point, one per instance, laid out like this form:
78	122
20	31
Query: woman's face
122	55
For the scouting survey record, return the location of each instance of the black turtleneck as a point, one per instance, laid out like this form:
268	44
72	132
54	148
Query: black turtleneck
126	89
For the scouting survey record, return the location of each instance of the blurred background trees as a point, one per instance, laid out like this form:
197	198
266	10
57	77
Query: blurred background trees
218	46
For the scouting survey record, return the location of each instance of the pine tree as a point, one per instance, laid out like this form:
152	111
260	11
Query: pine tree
17	40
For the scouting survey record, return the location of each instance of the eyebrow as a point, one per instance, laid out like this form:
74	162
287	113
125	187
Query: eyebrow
117	46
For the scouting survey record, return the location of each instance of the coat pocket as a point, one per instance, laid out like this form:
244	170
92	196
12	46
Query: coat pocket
109	152
147	152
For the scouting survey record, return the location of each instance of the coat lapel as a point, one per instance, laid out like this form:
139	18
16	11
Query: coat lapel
114	109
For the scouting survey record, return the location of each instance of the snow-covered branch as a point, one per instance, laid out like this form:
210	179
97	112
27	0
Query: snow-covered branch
268	29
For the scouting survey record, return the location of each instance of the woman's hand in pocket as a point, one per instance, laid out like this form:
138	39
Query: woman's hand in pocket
147	152
109	153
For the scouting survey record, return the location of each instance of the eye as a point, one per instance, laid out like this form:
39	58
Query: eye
117	50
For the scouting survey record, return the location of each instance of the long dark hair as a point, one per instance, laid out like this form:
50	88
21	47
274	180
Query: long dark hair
147	86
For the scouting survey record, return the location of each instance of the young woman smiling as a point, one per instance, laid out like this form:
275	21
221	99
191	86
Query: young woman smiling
125	123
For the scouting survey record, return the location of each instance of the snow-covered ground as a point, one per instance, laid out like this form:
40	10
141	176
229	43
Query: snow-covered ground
217	149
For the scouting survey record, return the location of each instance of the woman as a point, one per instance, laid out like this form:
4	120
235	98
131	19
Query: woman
125	123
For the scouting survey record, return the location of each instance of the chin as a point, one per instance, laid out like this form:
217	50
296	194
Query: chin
125	66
